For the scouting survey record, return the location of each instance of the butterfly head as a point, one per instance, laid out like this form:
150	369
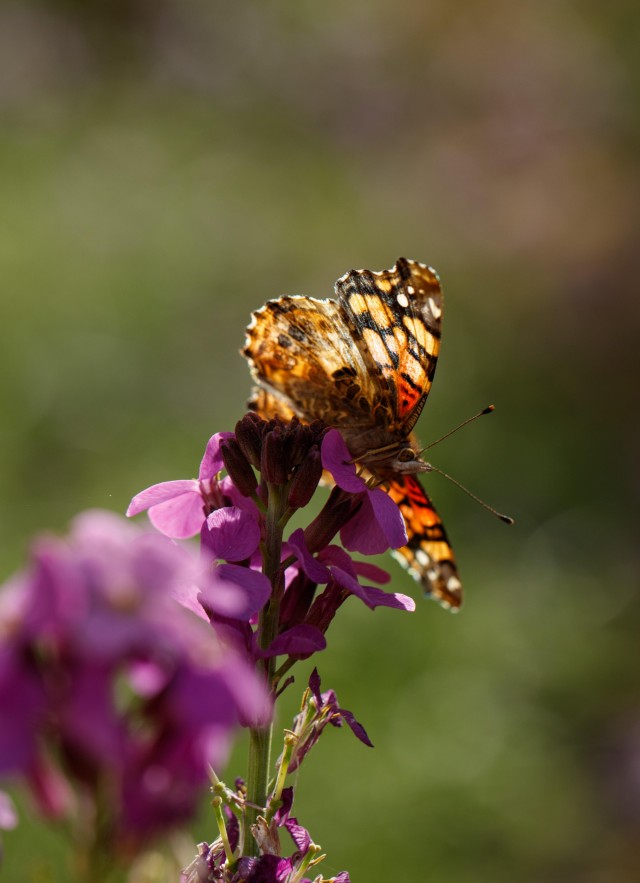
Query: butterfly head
395	460
407	461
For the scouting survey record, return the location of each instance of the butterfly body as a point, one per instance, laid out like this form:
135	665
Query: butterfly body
364	364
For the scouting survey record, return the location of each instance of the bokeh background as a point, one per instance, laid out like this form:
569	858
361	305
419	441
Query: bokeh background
165	168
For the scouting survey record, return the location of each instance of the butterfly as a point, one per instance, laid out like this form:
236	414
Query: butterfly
364	364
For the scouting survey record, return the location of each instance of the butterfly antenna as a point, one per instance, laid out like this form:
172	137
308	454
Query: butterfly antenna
505	518
486	410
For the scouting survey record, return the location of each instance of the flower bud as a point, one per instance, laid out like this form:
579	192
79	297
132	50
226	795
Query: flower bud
305	480
238	467
301	441
248	433
272	462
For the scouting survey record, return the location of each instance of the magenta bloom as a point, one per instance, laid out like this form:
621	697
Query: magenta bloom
232	534
101	668
378	525
178	508
334	565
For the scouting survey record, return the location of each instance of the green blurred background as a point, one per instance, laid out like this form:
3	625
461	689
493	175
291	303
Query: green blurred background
165	168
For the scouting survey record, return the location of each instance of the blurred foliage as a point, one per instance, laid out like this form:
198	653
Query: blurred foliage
165	168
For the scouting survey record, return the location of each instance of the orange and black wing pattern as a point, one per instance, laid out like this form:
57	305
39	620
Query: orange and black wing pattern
395	317
428	555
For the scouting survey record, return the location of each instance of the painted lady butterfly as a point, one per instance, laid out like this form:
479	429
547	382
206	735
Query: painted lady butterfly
364	364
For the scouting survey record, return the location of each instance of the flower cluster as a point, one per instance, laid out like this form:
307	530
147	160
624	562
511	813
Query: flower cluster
233	515
286	591
127	658
119	698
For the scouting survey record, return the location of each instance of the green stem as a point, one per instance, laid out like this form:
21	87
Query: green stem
260	737
222	828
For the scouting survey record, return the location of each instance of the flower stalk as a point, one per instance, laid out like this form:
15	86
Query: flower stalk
261	737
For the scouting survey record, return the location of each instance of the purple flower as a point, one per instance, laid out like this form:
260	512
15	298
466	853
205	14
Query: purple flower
178	508
345	572
333	566
233	535
100	664
378	525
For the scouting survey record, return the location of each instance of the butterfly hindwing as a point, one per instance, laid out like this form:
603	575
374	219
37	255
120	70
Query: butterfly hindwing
269	405
302	352
428	555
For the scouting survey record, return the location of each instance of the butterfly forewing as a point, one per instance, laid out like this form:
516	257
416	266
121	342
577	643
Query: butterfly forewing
395	317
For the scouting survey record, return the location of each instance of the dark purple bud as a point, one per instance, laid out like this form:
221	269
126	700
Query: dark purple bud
273	465
297	600
318	430
302	440
239	468
291	433
248	433
305	480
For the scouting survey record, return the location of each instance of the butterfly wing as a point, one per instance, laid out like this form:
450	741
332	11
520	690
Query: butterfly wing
269	405
395	317
428	555
305	362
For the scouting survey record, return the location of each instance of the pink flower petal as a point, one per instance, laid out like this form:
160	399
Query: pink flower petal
389	518
235	591
370	571
316	571
300	640
254	702
187	594
373	597
158	493
212	461
376	527
335	459
231	534
179	518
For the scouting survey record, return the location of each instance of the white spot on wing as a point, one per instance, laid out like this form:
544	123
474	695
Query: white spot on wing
403	300
435	309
